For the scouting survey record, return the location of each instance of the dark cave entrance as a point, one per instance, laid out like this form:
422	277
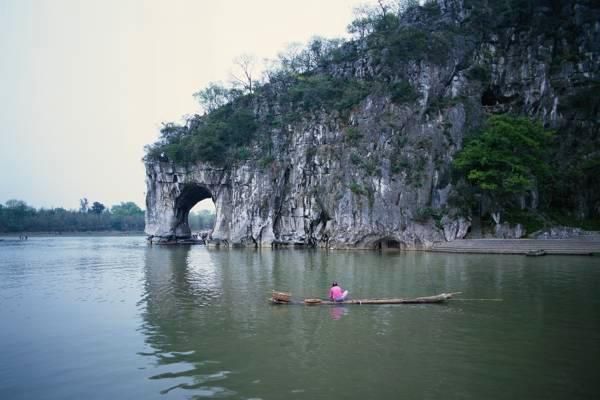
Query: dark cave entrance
492	96
388	244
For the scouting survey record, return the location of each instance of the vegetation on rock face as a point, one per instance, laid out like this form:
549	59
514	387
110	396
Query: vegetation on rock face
392	43
507	159
214	138
300	81
16	216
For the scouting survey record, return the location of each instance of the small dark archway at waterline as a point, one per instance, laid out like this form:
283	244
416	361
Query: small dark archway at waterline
390	244
190	195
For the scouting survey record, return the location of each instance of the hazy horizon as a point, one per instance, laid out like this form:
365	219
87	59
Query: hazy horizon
87	84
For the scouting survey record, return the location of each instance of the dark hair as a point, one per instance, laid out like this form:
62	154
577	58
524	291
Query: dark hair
334	283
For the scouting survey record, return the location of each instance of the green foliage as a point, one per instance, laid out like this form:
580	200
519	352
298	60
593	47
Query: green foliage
488	16
266	161
535	220
507	158
560	217
370	166
242	153
202	220
218	137
530	220
424	214
584	101
17	217
357	189
462	197
313	91
480	73
124	209
563	191
301	81
410	43
398	163
215	95
353	135
412	166
97	208
432	8
402	92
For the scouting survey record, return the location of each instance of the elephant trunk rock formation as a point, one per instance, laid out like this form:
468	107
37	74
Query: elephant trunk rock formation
301	203
376	171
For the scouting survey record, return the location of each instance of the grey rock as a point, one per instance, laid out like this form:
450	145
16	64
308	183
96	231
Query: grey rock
508	231
559	232
325	190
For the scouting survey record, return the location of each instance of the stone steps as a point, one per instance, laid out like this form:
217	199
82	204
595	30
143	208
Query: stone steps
519	246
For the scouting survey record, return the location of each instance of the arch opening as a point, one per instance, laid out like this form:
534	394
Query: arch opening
193	199
201	219
388	244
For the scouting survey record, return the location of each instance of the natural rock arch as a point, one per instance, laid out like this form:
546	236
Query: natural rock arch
288	204
172	191
191	194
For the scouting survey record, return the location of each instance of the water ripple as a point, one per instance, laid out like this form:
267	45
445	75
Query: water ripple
133	321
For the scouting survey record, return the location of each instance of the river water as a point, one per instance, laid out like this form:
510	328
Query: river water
111	318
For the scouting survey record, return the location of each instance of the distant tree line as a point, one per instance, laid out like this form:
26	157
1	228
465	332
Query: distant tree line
201	220
18	216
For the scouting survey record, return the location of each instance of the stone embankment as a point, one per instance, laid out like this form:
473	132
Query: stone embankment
583	245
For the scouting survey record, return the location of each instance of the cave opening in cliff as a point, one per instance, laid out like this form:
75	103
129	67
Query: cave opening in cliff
492	96
195	210
388	244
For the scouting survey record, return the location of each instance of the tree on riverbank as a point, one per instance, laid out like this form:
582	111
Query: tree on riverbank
508	159
17	216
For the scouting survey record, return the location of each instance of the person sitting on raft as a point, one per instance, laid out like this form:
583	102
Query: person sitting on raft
336	293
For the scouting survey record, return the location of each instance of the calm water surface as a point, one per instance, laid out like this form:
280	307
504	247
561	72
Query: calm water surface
110	318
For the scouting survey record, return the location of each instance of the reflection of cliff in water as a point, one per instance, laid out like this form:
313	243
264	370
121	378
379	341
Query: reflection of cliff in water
179	287
205	315
211	332
207	318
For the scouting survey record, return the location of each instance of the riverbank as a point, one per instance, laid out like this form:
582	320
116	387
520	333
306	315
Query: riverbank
12	235
584	245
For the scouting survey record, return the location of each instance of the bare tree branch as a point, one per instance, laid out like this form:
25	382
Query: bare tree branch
244	74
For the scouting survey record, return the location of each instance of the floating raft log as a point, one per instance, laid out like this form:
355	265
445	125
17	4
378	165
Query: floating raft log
536	253
440	298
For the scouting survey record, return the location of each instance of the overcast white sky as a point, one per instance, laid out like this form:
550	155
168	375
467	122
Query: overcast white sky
85	84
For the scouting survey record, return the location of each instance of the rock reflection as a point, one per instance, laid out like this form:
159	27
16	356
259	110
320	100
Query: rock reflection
178	289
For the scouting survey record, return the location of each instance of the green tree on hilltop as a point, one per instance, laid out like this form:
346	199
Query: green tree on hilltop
506	160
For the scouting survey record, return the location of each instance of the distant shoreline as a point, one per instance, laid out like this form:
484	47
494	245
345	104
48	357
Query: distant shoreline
69	234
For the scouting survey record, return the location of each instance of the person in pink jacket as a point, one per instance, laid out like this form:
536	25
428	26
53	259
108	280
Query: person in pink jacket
336	293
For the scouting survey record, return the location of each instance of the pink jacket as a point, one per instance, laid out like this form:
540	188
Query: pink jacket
335	292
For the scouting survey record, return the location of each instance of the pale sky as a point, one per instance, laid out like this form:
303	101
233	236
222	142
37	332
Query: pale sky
85	84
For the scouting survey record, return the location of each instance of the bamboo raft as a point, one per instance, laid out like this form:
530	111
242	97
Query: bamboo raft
535	253
440	298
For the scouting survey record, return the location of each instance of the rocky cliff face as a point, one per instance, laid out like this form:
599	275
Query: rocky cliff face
380	176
